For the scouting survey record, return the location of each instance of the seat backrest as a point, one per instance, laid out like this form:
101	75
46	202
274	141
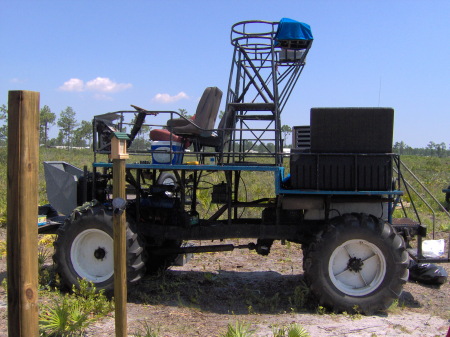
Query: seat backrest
208	108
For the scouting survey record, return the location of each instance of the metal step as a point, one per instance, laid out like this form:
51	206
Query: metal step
404	222
410	226
252	106
256	117
421	259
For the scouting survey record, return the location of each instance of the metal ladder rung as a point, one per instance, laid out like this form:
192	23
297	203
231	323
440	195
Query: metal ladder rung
252	106
256	117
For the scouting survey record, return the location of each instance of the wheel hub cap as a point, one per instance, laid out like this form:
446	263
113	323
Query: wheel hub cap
355	264
92	255
357	267
100	253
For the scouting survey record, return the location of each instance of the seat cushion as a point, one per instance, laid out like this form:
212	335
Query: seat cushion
205	116
176	122
164	135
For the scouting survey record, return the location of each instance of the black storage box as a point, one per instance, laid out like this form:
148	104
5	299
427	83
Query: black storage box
341	172
352	130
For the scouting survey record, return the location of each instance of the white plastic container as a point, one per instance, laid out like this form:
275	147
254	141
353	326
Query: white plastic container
161	153
433	248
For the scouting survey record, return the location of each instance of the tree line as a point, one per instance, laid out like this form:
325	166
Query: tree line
431	150
71	132
79	134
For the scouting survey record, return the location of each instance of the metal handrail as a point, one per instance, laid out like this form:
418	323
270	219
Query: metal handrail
422	197
426	189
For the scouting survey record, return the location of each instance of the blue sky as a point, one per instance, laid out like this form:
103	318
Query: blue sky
100	56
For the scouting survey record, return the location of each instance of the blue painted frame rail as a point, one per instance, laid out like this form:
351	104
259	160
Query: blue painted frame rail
278	176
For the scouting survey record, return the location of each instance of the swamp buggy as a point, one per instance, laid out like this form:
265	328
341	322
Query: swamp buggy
334	193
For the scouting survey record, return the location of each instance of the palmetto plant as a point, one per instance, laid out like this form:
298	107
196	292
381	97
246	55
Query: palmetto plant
238	330
63	319
296	330
293	330
71	314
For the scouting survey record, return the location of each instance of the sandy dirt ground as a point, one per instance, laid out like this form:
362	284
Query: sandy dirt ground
216	289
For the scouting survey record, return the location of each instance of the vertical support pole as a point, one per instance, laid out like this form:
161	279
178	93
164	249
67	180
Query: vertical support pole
237	179
194	193
120	252
22	199
229	179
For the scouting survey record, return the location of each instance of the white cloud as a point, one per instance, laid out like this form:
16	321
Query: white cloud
99	84
74	84
104	84
166	98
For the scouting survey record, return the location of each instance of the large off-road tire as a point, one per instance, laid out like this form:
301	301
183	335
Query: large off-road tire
359	263
84	249
447	195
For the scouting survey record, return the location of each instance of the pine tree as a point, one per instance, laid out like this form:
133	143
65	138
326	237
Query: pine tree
47	118
4	127
67	124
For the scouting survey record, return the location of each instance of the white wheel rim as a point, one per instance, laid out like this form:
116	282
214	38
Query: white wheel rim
92	255
168	181
357	267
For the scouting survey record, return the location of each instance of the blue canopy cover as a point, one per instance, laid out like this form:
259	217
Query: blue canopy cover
289	29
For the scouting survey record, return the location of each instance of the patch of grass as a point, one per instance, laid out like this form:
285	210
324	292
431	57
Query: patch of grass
210	277
395	307
44	255
47	240
402	329
3	249
145	330
356	312
279	332
434	173
46	275
321	310
301	296
165	287
256	303
75	157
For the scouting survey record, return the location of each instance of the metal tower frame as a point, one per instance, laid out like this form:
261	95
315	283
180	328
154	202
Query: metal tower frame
263	73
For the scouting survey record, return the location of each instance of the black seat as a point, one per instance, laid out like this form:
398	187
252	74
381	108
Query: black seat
205	116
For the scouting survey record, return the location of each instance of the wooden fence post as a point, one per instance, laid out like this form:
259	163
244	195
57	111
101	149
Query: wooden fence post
22	199
120	251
